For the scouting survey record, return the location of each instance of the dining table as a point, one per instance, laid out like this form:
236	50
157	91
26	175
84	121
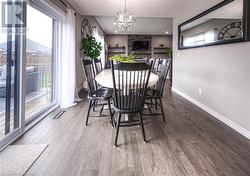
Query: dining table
105	79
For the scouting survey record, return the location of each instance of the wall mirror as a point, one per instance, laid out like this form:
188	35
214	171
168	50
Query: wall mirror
227	22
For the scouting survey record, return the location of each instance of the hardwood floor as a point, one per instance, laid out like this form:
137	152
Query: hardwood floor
192	143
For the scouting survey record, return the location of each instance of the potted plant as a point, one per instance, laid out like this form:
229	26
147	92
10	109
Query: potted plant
121	58
91	48
169	52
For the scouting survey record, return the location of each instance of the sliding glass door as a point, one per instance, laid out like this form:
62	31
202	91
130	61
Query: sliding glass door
40	63
9	69
28	40
8	85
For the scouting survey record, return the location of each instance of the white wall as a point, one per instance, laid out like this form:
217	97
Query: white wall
81	80
112	40
161	39
79	71
123	41
223	73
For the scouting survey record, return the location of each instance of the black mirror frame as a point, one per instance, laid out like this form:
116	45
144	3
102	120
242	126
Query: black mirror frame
246	25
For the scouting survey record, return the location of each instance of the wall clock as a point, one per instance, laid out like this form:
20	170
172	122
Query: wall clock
231	31
85	28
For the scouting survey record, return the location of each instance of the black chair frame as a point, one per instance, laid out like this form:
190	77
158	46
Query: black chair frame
129	86
95	93
97	65
157	92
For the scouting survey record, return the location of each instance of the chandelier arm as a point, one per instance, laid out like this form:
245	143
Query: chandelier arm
125	20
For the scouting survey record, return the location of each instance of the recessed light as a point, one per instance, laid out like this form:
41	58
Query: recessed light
116	31
167	32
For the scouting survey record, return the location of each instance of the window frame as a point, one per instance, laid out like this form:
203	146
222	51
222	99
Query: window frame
44	8
23	126
246	25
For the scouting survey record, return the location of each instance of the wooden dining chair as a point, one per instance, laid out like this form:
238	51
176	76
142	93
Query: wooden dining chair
156	92
98	66
155	64
95	93
130	81
98	69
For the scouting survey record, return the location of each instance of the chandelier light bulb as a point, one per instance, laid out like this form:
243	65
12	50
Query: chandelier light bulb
124	20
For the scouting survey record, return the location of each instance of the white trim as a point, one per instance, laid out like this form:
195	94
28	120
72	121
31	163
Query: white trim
217	115
48	8
57	6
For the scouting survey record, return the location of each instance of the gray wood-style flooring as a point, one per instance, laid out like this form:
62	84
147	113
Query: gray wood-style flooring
192	143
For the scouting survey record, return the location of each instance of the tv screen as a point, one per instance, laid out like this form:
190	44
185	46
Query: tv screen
140	45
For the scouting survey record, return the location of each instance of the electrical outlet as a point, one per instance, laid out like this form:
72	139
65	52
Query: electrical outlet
200	91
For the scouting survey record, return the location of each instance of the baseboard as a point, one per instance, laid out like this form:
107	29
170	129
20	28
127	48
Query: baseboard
217	115
80	88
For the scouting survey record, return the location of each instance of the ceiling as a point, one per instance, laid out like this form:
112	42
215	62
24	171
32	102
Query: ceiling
144	25
233	10
146	12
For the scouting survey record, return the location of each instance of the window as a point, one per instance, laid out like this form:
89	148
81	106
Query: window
201	38
27	81
8	84
99	38
40	62
9	81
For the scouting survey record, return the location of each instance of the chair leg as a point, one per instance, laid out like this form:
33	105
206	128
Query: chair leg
162	111
142	127
156	105
100	113
95	102
111	115
117	128
150	109
151	101
90	106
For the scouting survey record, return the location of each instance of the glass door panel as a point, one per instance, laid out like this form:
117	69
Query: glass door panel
9	67
39	76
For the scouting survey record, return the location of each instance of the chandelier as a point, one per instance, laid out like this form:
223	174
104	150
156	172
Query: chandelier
124	20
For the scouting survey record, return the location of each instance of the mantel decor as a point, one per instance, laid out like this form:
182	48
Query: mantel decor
227	22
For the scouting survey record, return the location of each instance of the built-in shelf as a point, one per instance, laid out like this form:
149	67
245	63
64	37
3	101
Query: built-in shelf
116	47
114	50
118	52
141	53
160	50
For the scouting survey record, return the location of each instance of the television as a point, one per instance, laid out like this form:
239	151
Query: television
140	45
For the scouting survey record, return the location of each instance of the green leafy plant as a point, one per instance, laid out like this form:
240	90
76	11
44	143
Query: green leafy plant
91	47
169	52
121	58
